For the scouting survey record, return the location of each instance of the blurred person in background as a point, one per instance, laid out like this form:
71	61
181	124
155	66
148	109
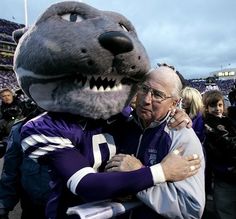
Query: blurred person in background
193	106
23	179
232	95
13	109
220	145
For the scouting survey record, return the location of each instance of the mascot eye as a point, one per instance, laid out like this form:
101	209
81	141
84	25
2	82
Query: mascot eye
124	27
72	17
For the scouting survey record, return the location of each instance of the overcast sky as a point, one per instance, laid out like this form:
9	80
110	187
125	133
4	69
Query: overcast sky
196	36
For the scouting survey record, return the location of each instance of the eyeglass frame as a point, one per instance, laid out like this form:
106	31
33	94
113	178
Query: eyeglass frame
153	92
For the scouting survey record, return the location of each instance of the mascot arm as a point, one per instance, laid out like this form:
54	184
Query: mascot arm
84	181
41	142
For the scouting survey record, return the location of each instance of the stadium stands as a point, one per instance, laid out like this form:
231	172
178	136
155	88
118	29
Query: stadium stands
6	29
224	85
7	48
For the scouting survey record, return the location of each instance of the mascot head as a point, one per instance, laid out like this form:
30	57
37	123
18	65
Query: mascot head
80	60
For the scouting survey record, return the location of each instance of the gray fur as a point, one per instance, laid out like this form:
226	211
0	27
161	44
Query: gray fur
54	54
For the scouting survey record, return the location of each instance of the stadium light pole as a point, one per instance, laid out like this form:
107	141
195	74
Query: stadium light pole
26	12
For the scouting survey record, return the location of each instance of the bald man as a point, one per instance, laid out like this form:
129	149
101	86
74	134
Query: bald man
156	97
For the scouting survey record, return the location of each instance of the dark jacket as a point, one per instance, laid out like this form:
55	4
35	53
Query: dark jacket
13	110
22	179
220	147
10	114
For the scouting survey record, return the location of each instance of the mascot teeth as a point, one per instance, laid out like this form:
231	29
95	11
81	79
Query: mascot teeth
102	84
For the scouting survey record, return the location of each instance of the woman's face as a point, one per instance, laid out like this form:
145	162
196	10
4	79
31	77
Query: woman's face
217	109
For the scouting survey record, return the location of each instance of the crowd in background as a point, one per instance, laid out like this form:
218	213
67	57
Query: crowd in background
6	60
6	29
8	79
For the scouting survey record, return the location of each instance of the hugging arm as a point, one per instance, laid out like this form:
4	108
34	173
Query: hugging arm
183	193
75	169
179	119
175	167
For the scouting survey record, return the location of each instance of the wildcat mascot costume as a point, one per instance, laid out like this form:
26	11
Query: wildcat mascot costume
82	66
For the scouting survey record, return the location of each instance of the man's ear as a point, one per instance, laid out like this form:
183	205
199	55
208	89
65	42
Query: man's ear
174	104
17	34
179	101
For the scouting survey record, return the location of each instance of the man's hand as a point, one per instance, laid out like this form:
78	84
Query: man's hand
177	167
179	119
123	163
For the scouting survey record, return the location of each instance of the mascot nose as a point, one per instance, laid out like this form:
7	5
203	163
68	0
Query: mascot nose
116	42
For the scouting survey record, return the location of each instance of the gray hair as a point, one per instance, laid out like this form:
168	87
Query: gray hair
175	80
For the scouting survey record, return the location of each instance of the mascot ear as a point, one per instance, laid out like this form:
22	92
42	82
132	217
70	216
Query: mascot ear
17	34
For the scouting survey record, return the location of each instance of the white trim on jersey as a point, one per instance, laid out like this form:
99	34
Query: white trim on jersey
75	179
33	140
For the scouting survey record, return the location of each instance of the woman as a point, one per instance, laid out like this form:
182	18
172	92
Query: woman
193	106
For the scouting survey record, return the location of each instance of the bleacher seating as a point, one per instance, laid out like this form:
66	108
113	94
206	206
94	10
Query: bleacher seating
6	29
6	59
8	79
7	75
224	85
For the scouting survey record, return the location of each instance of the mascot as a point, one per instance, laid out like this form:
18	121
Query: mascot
80	60
82	66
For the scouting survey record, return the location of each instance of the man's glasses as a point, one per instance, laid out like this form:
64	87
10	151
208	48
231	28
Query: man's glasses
157	96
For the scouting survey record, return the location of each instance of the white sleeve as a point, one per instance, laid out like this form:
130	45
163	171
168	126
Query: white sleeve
182	199
157	174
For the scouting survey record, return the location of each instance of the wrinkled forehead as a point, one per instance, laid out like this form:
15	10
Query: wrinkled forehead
160	72
163	76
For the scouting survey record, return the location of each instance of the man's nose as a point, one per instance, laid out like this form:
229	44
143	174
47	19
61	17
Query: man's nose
148	97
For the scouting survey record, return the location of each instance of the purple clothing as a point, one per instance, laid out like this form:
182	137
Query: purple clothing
76	150
198	126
